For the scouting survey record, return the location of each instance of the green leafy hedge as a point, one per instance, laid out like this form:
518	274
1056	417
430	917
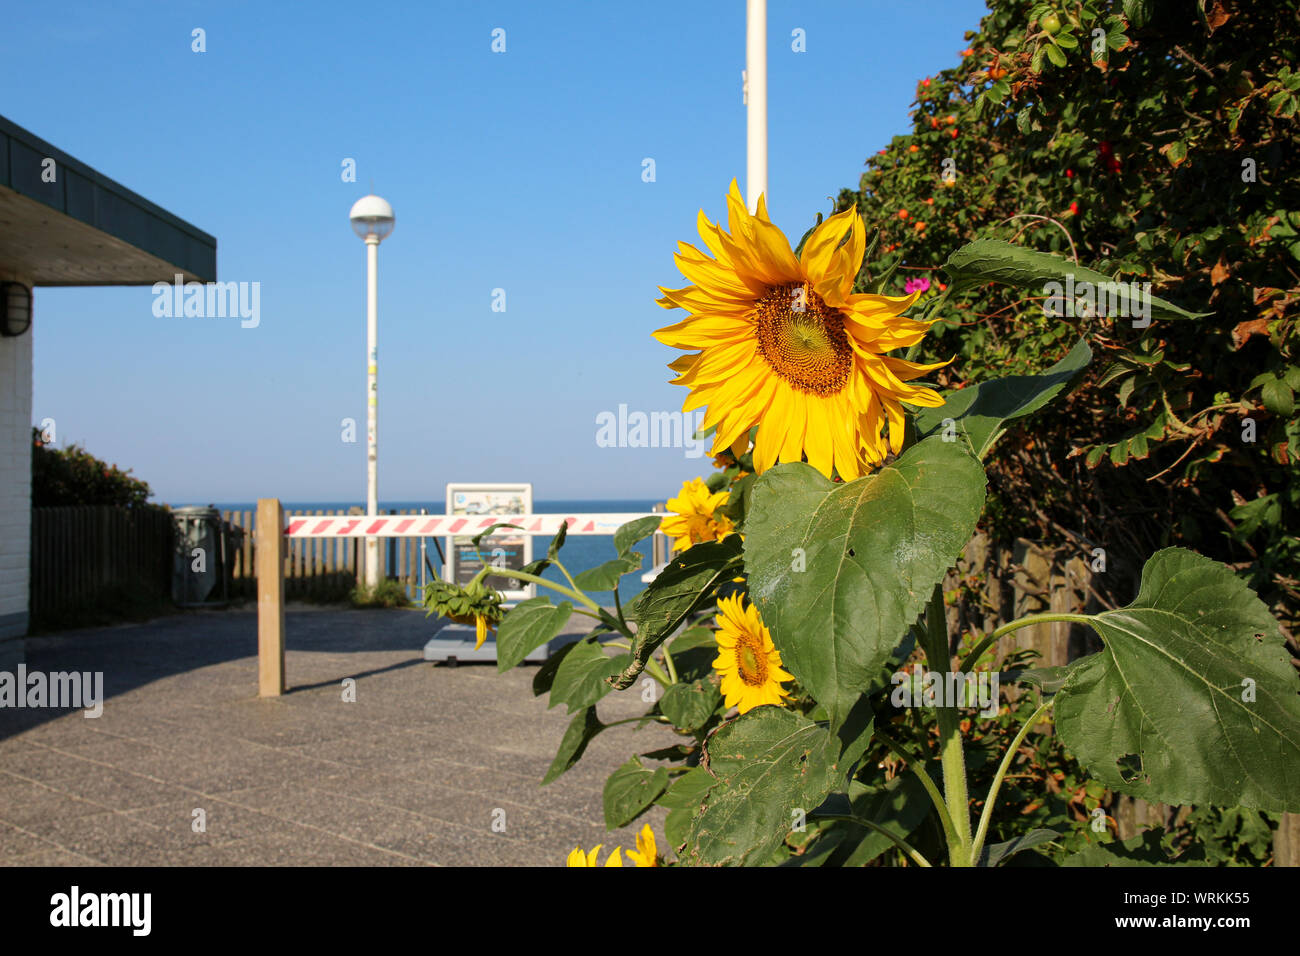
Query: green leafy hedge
73	476
1151	141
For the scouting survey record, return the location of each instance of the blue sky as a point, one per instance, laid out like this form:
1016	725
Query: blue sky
520	171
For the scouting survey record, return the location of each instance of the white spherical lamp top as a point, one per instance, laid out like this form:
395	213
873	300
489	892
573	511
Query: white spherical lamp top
372	216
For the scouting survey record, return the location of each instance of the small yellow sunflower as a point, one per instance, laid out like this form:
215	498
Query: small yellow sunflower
695	519
748	661
786	344
645	853
578	858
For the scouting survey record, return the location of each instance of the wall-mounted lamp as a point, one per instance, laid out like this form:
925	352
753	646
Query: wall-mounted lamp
15	308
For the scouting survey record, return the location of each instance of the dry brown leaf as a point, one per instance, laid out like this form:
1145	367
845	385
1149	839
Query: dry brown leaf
1219	272
1244	330
1217	16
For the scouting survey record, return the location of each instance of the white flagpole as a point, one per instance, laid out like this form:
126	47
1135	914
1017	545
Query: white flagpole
756	100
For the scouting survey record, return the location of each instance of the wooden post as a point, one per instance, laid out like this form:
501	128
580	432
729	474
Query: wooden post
270	597
1286	841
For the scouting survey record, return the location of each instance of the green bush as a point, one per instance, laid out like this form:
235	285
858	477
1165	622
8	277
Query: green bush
1150	139
73	476
388	593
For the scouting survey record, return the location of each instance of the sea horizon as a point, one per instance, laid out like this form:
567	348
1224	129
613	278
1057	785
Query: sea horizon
580	553
540	505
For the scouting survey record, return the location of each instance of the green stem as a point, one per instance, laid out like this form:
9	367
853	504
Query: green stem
917	766
1015	625
565	571
668	662
618	607
654	670
951	755
898	841
987	813
537	579
632	720
651	668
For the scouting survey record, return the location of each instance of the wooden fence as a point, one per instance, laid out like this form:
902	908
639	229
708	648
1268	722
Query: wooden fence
1002	583
80	553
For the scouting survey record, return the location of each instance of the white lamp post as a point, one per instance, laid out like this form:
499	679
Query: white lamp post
372	220
756	100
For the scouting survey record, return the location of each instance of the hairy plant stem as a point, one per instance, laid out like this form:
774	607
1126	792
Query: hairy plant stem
573	593
565	571
652	667
951	754
917	766
1015	625
668	662
987	813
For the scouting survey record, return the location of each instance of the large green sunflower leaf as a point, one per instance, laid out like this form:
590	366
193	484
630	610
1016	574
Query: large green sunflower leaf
1193	699
982	410
583	675
605	577
840	571
770	763
526	627
992	260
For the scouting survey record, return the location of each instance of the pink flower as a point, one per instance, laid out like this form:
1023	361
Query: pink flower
916	285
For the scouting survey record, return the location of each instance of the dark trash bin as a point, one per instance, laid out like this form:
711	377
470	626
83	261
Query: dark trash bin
205	548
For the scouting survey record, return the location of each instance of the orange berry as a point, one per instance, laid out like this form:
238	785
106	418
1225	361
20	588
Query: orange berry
914	148
902	214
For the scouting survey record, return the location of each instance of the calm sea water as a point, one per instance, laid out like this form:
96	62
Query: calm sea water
580	552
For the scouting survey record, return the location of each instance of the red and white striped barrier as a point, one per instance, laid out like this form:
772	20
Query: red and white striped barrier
433	526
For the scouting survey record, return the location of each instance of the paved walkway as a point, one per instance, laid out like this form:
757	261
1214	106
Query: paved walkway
414	772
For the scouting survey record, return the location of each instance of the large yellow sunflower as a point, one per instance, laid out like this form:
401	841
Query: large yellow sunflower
695	519
786	343
747	659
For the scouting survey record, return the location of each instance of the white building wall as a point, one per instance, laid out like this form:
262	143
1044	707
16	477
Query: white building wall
15	486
